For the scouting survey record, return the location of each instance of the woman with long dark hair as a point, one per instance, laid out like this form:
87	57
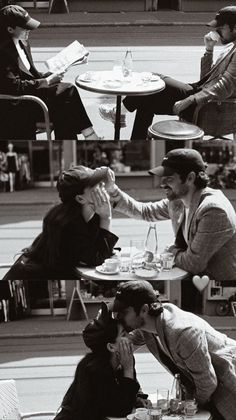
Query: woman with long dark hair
105	381
76	231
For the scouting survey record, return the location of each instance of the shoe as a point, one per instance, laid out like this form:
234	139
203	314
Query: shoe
108	112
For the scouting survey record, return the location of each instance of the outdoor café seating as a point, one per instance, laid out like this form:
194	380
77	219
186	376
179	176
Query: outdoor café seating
41	127
10	405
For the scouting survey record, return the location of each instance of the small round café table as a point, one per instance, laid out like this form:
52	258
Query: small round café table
105	82
172	278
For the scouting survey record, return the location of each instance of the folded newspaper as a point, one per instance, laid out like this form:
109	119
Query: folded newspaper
70	55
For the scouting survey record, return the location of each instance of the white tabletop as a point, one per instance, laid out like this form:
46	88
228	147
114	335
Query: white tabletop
91	274
106	82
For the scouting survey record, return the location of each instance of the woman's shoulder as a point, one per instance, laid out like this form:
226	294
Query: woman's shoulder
94	364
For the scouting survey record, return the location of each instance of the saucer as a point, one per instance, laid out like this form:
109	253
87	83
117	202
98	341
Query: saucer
146	274
101	270
87	77
130	417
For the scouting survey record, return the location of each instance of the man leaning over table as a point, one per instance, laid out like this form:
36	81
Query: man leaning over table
203	219
184	343
217	82
19	76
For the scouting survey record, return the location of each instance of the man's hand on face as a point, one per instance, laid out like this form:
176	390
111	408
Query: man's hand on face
210	40
110	182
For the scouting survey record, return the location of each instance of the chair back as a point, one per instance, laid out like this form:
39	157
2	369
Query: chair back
9	402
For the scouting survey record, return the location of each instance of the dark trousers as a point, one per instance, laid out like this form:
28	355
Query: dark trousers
158	103
66	111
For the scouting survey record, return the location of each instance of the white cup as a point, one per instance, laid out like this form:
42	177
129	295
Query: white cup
111	264
214	36
141	414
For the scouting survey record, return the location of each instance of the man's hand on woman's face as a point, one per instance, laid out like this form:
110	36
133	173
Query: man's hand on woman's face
101	201
110	183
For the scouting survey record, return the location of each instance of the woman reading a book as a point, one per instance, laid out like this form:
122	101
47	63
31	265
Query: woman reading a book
19	76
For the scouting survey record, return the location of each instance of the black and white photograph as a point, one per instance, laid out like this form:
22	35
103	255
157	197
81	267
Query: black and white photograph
117	209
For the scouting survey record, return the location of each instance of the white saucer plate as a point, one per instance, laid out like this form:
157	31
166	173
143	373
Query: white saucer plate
146	274
101	270
87	78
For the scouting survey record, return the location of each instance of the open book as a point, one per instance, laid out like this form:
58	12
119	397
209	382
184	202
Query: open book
70	55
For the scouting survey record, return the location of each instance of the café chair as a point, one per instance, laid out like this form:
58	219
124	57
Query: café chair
175	130
10	406
217	118
41	127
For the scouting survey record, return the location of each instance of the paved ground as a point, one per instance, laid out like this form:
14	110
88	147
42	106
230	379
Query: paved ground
57	326
158	18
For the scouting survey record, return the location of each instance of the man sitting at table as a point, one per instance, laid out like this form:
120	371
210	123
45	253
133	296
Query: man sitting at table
203	219
184	343
19	76
217	82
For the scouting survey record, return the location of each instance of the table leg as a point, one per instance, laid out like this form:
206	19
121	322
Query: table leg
117	121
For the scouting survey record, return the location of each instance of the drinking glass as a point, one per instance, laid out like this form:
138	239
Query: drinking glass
167	261
136	253
163	400
146	77
117	70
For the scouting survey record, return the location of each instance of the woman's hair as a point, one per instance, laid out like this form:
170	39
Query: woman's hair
46	247
101	331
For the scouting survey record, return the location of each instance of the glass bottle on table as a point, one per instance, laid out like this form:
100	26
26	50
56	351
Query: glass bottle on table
176	395
151	244
128	64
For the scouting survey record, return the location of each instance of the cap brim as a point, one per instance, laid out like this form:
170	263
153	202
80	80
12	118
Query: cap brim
213	23
97	177
32	24
162	171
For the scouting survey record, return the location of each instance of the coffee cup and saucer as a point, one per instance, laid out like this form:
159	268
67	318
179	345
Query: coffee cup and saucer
110	266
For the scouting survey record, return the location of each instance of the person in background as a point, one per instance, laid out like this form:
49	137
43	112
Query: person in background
19	76
75	232
183	343
3	171
105	381
217	82
12	166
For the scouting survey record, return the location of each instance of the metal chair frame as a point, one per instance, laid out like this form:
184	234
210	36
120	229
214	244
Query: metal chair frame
9	403
46	123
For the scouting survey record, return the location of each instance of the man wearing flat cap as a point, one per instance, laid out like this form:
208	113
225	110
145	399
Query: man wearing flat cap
217	81
19	76
203	220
